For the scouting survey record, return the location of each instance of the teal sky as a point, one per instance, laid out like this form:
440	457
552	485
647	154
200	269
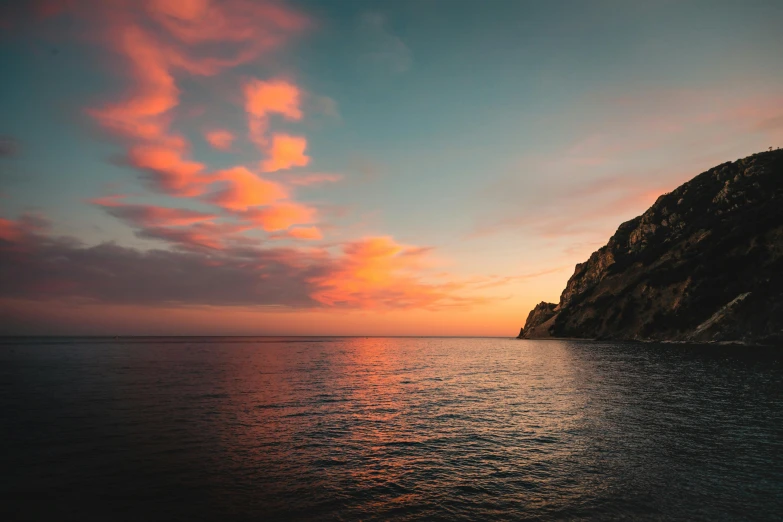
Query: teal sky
509	138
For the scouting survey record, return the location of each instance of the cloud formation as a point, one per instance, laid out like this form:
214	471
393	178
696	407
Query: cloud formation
220	139
37	267
240	189
281	216
306	233
264	98
169	172
378	273
371	273
286	152
165	40
280	97
213	234
160	40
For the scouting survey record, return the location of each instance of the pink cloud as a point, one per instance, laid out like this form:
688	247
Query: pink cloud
208	259
241	189
220	139
263	98
280	216
307	233
286	152
155	92
281	97
162	37
161	40
170	172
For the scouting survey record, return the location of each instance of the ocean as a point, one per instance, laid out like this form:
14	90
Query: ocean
387	428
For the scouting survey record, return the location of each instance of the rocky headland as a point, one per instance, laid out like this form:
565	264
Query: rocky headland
703	264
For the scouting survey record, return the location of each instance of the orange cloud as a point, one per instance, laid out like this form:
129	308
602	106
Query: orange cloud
171	173
160	37
272	97
140	116
265	98
281	216
158	43
379	273
286	152
241	189
219	138
307	233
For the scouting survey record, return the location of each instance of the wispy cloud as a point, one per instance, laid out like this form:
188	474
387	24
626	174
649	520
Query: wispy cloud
162	40
306	233
281	216
220	139
380	46
619	166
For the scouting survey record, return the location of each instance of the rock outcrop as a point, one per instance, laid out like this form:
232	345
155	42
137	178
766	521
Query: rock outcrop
704	263
538	321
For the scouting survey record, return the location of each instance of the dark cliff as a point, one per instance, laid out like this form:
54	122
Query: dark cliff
538	320
704	263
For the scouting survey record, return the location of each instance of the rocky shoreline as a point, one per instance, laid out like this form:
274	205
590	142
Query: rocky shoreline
703	264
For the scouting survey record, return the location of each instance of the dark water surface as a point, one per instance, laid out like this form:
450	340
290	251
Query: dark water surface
374	428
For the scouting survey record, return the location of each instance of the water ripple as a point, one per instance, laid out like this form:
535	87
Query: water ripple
378	429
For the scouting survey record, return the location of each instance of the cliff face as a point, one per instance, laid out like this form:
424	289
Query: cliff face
704	263
538	321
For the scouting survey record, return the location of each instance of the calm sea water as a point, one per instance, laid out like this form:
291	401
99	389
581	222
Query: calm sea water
381	428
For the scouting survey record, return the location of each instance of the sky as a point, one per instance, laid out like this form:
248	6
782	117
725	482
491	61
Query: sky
242	167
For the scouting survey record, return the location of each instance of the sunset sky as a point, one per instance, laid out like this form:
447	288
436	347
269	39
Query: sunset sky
351	167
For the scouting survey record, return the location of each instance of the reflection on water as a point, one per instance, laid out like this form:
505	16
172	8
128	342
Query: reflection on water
358	428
